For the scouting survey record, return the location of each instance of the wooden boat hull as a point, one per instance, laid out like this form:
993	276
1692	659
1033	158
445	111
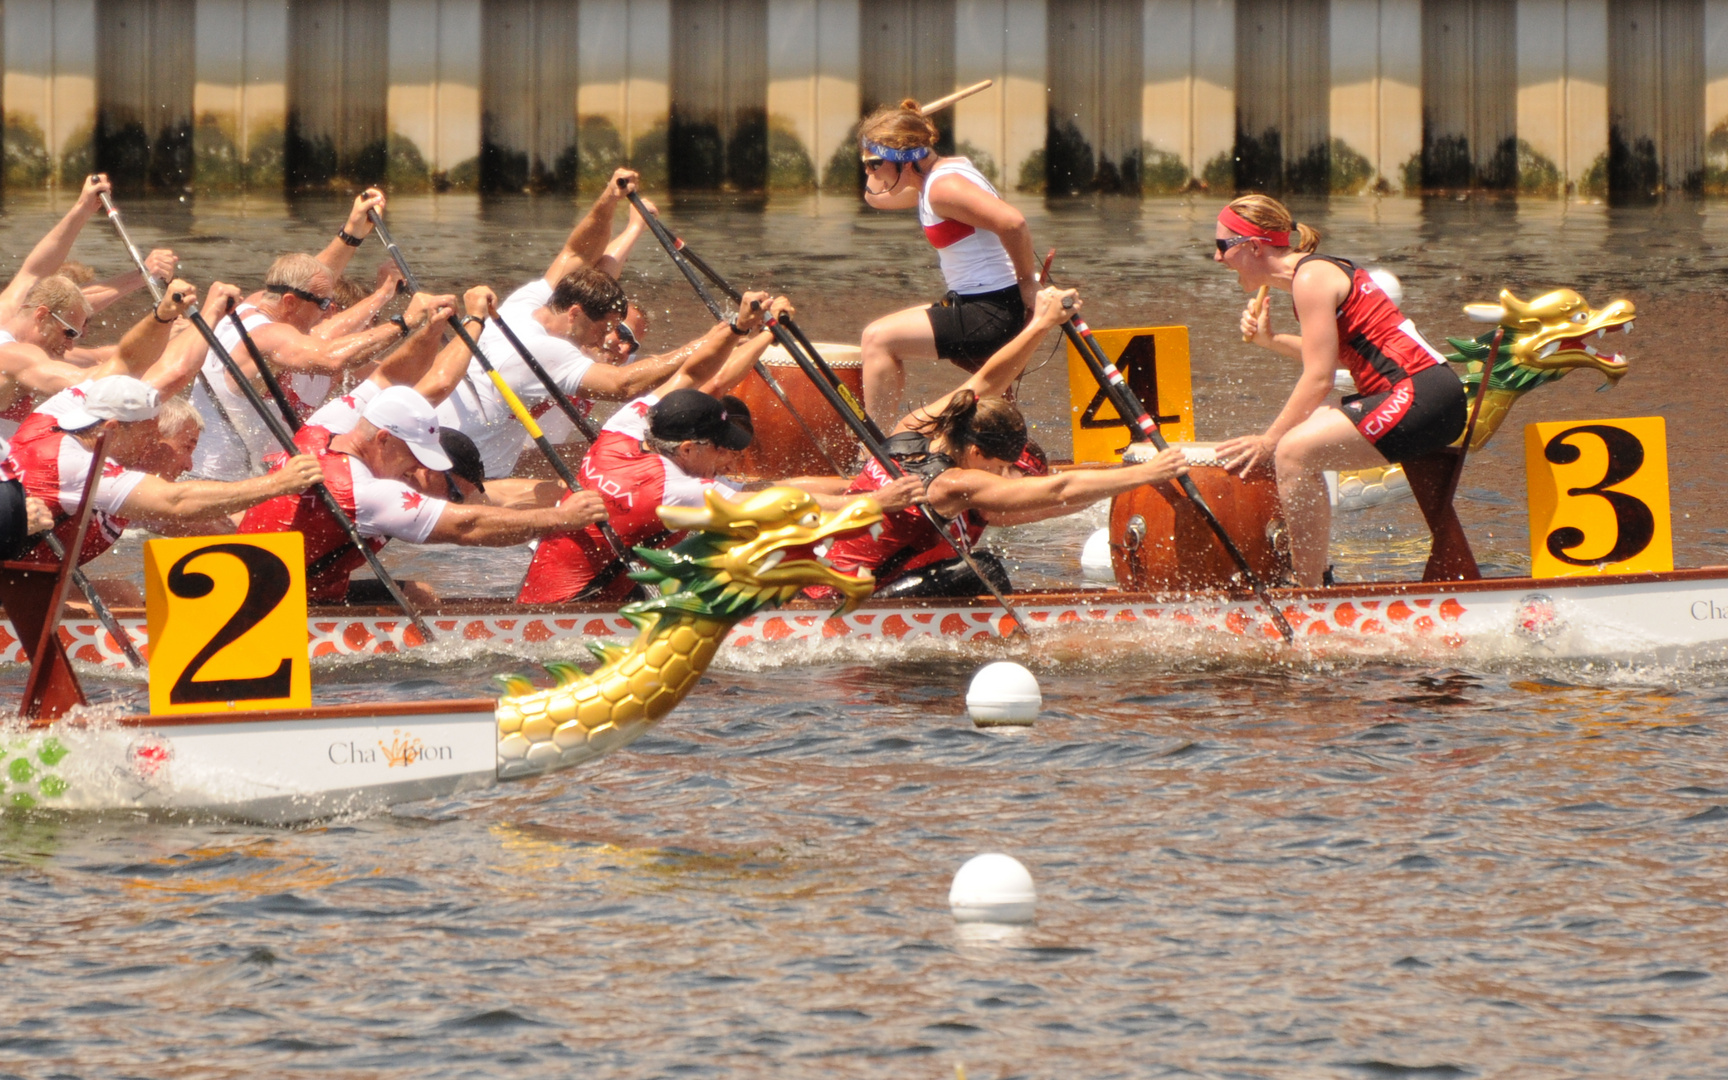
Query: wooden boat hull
1605	617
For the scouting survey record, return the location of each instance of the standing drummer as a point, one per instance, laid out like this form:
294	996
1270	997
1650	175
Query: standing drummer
982	243
1410	402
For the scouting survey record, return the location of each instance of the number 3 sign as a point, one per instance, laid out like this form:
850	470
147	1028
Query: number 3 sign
227	617
1598	497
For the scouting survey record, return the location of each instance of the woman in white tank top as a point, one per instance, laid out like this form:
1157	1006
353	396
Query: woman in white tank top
982	244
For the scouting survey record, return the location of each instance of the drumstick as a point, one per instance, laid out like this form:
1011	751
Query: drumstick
944	102
1259	309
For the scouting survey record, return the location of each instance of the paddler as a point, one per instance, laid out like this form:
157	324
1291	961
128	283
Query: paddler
982	243
669	447
563	318
1409	402
366	469
969	449
52	453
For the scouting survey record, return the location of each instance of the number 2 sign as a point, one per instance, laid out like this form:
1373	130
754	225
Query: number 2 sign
1598	497
227	618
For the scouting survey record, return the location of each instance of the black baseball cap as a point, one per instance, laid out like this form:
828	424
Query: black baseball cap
691	414
464	457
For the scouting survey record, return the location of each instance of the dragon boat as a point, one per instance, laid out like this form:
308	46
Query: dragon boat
1453	609
289	765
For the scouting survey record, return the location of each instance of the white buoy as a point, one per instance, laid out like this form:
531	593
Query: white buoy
1389	284
1095	565
993	888
1004	693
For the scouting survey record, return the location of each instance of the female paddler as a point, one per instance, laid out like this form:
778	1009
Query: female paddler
970	448
1409	401
982	243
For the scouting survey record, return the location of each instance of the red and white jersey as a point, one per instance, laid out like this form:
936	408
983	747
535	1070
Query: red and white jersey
477	409
53	466
973	259
634	484
381	509
906	540
339	415
1376	343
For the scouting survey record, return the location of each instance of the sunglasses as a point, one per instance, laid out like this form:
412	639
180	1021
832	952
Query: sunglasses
871	164
72	332
323	302
1229	242
628	337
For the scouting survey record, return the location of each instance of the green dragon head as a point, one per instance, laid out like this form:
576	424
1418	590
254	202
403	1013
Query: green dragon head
744	556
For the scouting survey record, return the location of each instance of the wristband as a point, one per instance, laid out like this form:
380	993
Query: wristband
349	238
157	315
732	325
473	319
401	324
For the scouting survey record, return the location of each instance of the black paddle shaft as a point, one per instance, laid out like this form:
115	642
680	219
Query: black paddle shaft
279	430
1142	427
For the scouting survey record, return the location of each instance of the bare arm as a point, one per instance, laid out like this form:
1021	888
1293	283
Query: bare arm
1019	500
587	241
450	365
513	493
707	355
618	251
493	526
961	200
185	353
1004	366
143	344
291	350
52	249
364	313
155	499
336	254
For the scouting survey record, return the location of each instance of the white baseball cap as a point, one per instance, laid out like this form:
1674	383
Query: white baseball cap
115	397
408	416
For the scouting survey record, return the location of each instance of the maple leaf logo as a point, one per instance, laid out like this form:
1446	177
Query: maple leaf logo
111	469
412	499
77	391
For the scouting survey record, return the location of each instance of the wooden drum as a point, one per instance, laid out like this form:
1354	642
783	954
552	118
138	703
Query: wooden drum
781	448
1160	543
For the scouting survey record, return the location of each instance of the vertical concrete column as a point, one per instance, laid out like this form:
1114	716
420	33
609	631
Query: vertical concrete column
434	99
624	62
1376	97
1003	128
50	91
1188	95
1716	96
812	92
1563	96
240	96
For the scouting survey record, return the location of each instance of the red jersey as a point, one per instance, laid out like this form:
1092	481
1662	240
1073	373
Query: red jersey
907	540
1378	345
53	466
634	484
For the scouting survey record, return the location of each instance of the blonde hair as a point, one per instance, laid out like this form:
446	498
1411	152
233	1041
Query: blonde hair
59	295
1269	213
76	272
296	271
176	416
899	127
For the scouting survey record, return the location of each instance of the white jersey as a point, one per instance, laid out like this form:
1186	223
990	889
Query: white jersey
477	409
233	448
339	415
391	508
973	259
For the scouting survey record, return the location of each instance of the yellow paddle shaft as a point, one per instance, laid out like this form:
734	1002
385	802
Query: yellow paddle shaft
522	414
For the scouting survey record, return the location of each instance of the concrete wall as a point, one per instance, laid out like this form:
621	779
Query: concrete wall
1578	98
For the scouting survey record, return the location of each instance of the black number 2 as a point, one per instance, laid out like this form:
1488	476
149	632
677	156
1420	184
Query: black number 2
1635	524
266	585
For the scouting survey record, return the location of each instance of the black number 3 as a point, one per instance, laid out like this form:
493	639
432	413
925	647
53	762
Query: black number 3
266	585
1635	524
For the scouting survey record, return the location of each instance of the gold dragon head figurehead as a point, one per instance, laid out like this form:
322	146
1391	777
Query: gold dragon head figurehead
1557	331
745	555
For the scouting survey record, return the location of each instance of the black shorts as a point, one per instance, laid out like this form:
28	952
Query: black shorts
1417	416
969	329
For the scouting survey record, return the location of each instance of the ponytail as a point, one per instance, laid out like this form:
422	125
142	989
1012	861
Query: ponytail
1270	214
992	425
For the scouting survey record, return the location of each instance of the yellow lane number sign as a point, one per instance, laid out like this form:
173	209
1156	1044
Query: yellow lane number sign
1598	497
1154	362
227	619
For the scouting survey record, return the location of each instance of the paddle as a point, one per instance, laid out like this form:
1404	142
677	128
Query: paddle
1142	427
673	249
620	553
264	372
279	430
103	615
944	102
1259	309
828	384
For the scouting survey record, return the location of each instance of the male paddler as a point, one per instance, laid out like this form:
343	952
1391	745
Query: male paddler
366	469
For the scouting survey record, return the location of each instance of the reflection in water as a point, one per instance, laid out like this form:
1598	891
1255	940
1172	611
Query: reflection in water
1247	865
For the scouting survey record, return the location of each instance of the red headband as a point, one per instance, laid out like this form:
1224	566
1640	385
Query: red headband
1241	226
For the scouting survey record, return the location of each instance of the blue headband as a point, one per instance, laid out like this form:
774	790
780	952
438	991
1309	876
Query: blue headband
888	153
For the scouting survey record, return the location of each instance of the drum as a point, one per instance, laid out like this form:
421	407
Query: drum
1159	542
781	448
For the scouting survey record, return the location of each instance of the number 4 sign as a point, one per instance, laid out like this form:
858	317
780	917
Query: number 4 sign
1598	497
227	617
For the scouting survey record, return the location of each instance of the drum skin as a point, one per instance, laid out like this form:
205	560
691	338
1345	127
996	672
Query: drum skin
1180	552
781	448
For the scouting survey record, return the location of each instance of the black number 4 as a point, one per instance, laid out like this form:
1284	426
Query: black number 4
1634	523
267	584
